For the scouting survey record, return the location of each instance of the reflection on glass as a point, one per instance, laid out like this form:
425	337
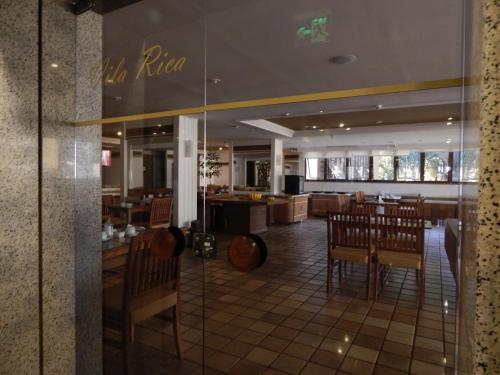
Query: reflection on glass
408	166
315	169
336	168
436	166
359	166
383	166
469	162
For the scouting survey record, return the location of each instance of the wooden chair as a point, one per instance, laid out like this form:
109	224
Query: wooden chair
151	285
405	210
349	239
360	196
400	243
161	212
367	209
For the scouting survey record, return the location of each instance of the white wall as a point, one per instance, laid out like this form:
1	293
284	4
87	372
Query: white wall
426	190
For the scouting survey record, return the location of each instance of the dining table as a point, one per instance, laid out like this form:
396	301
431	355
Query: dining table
130	209
114	252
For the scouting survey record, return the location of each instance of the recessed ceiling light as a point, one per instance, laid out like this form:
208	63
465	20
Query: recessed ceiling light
341	125
154	133
159	125
448	141
321	111
450	118
54	65
321	130
163	132
215	81
449	123
119	134
348	129
343	59
220	148
314	126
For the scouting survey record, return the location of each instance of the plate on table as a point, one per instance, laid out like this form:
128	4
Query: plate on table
140	229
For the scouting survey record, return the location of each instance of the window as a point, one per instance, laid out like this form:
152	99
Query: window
336	168
470	166
383	166
315	169
408	166
436	166
359	167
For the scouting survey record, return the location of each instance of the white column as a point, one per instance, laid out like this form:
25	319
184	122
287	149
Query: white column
276	165
185	170
124	157
231	168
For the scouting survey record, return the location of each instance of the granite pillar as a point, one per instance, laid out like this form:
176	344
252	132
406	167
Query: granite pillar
19	312
50	282
487	327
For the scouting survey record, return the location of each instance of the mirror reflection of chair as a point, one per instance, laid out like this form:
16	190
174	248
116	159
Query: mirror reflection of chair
349	239
161	212
360	196
151	286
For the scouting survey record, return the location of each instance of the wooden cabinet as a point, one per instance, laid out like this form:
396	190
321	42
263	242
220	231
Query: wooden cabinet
322	204
292	211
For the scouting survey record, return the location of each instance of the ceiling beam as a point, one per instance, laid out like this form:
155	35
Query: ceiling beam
270	127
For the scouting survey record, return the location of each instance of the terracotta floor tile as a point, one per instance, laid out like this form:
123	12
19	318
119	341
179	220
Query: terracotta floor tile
275	344
262	356
328	359
296	349
315	369
394	361
424	368
357	367
362	353
288	364
244	367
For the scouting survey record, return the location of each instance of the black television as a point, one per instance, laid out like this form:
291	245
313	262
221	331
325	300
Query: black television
294	184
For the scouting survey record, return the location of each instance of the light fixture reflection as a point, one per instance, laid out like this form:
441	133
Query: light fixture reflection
341	125
119	134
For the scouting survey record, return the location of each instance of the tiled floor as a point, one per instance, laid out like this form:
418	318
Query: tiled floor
279	320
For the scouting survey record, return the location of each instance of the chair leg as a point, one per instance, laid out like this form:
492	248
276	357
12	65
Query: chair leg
176	312
329	276
368	276
421	290
340	271
127	348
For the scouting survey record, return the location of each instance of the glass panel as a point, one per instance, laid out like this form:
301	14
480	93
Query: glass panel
315	169
436	166
466	166
359	167
383	167
336	168
409	166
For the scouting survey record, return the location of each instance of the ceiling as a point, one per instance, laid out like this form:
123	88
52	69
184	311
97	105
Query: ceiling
252	46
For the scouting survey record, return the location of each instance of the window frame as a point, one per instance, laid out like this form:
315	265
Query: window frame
370	179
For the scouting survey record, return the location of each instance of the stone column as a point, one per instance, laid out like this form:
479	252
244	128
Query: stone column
231	168
276	165
487	328
19	219
185	170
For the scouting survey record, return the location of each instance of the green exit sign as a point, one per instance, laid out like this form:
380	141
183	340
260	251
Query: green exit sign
314	30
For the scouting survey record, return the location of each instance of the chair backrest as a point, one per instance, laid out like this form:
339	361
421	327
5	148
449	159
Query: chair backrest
405	210
360	196
367	209
161	211
153	266
400	234
349	230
